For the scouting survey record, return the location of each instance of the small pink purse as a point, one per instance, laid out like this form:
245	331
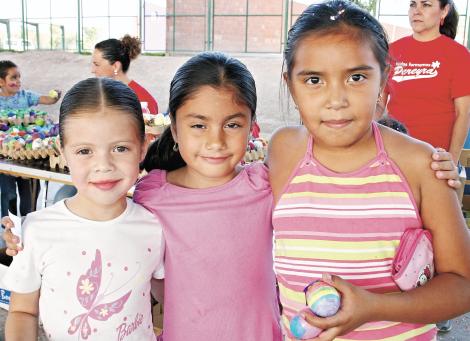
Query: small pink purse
413	264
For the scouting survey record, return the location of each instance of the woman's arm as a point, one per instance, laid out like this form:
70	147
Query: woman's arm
22	320
461	126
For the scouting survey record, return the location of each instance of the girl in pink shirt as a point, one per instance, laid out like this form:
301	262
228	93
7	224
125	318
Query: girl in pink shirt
219	279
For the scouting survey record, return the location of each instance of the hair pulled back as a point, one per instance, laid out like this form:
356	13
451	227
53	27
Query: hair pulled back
337	16
90	96
214	69
123	50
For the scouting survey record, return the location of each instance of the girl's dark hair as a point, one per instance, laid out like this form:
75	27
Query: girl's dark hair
451	21
5	65
337	16
213	69
93	94
124	50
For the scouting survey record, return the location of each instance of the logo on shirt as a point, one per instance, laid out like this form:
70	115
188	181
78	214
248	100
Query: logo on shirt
88	286
125	329
409	71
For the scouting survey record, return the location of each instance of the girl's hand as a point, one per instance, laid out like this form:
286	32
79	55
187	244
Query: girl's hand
10	239
356	309
445	168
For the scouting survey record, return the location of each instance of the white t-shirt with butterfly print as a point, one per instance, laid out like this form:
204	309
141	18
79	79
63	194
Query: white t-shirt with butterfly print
94	276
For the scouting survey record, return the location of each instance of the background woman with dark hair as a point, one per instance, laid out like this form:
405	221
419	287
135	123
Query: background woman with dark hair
429	82
112	58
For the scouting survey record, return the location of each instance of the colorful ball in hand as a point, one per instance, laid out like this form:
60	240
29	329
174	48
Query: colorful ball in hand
301	329
53	94
323	299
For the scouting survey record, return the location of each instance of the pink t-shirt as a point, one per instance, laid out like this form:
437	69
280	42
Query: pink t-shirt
219	279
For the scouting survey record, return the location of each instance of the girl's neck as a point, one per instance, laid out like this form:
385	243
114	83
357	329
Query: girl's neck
188	178
84	208
346	159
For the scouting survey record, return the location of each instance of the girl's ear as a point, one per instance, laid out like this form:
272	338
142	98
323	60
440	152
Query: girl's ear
285	76
60	147
173	131
383	81
144	148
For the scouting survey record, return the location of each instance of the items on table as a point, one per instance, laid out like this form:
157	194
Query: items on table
27	134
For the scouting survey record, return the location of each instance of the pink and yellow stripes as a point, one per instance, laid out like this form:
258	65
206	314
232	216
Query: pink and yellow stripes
345	225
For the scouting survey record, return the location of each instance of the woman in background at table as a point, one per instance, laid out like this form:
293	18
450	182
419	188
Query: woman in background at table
112	58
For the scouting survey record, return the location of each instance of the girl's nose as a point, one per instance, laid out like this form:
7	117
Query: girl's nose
336	98
215	139
103	164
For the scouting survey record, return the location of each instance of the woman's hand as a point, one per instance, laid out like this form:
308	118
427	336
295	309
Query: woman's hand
10	239
445	168
357	308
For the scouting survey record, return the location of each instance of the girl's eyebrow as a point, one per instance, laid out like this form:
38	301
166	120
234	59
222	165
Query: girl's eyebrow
205	118
198	116
236	115
318	73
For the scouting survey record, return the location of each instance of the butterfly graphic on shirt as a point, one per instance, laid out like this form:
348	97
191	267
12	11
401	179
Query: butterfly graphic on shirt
88	286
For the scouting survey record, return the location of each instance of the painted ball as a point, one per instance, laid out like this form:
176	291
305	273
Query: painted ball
53	94
301	329
323	299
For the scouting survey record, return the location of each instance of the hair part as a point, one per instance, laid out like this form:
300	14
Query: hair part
451	21
123	50
213	69
6	65
94	95
334	17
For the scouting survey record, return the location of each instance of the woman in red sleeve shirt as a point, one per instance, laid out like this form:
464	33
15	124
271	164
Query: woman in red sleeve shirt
112	58
429	82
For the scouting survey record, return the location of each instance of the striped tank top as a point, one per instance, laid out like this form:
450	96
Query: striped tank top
347	224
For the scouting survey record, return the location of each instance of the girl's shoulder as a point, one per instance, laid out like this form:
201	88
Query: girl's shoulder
288	143
149	183
257	175
400	147
288	139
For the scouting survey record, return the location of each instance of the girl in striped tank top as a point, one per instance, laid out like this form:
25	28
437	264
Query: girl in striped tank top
346	189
